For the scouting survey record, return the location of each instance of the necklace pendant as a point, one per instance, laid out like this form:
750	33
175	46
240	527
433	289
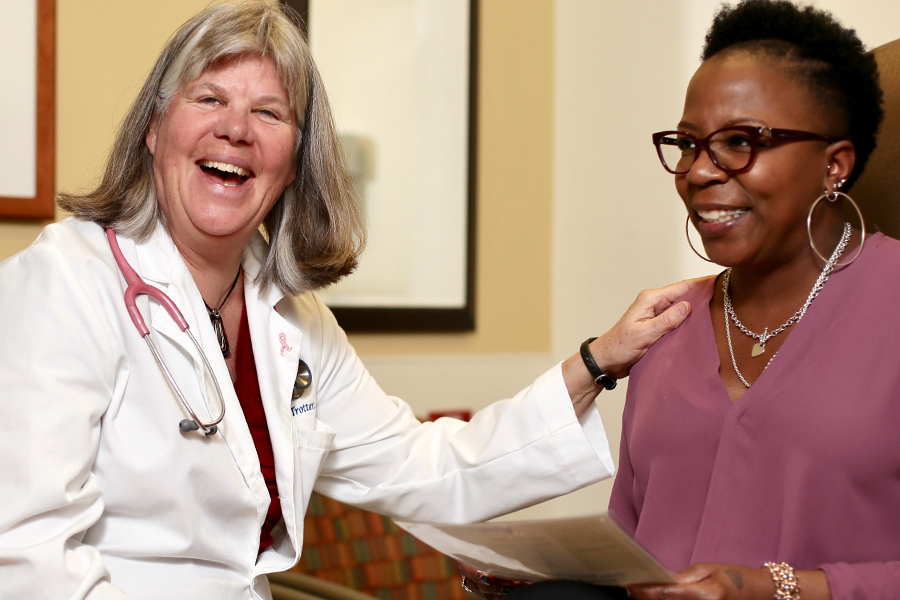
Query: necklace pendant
219	328
760	346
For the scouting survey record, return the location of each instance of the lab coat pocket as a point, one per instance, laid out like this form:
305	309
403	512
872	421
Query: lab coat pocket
313	446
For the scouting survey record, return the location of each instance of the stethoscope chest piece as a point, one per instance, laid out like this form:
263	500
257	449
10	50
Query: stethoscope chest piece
302	381
187	425
137	286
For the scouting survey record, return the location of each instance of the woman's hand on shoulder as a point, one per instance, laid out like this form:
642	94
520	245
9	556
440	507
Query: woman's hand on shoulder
715	581
649	317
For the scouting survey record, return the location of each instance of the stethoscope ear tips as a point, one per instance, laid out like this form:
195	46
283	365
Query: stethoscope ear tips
188	425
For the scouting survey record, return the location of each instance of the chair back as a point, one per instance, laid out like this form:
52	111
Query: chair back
878	190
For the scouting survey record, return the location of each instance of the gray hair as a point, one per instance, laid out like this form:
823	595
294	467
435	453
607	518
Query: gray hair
314	229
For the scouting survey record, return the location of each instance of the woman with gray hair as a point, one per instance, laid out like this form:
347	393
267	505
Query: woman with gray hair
221	333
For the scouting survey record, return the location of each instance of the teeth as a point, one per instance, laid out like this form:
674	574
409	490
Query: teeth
720	216
209	164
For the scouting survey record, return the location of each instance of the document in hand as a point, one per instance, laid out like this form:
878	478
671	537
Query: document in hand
592	549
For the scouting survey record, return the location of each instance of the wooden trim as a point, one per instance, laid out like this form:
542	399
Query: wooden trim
42	205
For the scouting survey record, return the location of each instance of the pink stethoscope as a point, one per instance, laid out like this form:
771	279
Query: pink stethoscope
137	286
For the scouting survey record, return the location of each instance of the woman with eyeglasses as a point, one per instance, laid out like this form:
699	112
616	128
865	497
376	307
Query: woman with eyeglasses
760	455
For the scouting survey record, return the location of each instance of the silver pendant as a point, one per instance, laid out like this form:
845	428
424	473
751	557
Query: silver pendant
760	346
219	328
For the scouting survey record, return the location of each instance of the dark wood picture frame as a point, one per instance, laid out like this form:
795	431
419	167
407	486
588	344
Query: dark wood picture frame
425	319
41	206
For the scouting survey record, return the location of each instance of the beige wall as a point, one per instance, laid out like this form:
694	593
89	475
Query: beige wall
105	48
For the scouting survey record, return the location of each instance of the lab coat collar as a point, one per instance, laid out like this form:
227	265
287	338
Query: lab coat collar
156	256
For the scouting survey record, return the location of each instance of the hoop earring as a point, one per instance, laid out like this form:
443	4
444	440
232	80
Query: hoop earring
831	198
688	236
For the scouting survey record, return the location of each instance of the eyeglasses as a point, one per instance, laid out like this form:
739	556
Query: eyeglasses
732	149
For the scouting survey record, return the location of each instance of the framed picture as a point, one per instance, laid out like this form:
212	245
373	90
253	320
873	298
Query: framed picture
27	108
400	77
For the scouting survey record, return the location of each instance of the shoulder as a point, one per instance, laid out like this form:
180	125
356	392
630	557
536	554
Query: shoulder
877	268
884	250
688	339
67	241
69	269
71	245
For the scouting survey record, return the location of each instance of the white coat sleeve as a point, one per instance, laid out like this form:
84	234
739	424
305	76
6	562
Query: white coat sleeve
514	453
57	374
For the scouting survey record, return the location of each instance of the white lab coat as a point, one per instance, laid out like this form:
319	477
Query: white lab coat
102	497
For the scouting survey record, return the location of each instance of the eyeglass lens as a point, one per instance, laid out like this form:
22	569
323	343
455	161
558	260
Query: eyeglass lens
732	150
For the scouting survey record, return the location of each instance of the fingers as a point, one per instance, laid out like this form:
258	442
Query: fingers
668	320
622	346
697	572
703	590
661	298
648	318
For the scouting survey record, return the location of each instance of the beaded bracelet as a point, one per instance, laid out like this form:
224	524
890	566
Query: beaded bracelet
787	586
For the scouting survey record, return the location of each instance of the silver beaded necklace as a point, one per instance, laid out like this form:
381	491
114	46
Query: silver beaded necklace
760	347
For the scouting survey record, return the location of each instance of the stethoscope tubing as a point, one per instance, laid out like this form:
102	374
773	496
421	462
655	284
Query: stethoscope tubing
137	286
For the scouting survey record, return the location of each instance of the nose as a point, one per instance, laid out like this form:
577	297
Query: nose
704	170
234	125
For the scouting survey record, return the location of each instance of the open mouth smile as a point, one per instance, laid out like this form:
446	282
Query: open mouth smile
229	175
720	216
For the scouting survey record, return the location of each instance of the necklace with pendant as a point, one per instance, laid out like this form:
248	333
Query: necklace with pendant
215	317
760	346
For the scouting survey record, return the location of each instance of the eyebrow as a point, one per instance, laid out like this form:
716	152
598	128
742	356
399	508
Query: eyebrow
736	121
267	99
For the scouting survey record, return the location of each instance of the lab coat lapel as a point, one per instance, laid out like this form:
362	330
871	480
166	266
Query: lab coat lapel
161	264
276	349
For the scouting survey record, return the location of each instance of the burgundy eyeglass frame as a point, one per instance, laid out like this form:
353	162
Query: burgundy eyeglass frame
770	134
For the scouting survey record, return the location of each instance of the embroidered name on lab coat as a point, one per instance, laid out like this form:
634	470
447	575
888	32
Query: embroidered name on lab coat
299	409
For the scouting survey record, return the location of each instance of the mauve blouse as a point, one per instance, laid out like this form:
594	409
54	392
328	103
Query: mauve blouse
804	468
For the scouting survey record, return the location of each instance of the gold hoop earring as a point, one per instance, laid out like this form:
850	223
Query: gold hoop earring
832	198
688	236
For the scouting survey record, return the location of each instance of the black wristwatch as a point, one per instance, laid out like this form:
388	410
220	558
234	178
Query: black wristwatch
600	378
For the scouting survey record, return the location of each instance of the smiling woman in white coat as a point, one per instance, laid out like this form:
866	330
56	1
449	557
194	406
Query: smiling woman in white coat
141	460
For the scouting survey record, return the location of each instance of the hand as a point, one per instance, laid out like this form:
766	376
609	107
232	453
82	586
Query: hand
714	581
483	585
648	318
711	581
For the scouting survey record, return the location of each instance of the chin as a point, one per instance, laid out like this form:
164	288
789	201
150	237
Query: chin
220	225
725	257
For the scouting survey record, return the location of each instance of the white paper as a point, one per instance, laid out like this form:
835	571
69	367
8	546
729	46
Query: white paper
592	549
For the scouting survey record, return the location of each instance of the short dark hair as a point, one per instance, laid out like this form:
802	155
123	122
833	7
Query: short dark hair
825	56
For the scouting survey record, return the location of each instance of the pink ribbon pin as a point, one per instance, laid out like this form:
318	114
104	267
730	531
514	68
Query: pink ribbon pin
284	345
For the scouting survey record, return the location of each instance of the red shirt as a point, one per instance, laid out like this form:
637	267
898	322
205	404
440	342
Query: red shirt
247	388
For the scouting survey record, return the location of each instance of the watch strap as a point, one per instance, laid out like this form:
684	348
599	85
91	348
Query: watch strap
600	378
